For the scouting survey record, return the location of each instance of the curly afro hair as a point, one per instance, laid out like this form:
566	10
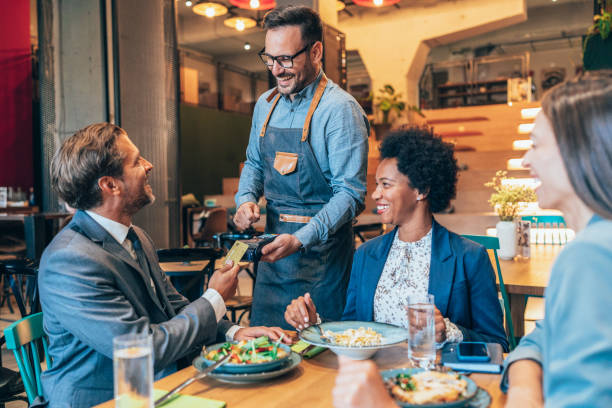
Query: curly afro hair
426	160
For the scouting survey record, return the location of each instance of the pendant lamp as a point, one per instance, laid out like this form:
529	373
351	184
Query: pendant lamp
240	23
340	5
254	4
210	9
375	3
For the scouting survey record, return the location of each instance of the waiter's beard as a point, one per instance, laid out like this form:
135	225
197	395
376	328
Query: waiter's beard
290	83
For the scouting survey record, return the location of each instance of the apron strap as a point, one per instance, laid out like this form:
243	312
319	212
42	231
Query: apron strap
313	105
265	125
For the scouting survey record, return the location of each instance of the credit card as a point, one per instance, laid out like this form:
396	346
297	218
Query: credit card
236	252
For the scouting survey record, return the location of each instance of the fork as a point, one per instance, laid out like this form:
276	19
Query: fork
322	335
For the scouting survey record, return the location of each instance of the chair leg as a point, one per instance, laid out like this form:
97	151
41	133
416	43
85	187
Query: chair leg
244	312
16	287
6	294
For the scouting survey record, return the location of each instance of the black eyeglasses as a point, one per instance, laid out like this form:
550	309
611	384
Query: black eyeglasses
285	61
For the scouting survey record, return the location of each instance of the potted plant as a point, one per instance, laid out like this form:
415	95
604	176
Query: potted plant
506	200
598	42
388	101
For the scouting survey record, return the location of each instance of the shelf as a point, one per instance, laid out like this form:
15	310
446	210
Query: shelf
491	92
479	83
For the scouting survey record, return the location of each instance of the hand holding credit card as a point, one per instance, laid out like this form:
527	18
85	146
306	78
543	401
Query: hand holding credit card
236	252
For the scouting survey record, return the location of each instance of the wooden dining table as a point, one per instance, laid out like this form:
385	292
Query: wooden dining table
526	277
309	385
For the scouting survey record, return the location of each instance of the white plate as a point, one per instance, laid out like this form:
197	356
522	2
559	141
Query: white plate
391	335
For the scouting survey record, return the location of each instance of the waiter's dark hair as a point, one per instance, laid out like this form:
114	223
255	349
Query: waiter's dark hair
580	112
427	161
306	18
82	159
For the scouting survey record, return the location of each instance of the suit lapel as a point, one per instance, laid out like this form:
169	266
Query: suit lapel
373	267
87	226
442	267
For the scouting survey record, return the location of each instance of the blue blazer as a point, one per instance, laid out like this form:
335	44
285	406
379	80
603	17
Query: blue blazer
460	278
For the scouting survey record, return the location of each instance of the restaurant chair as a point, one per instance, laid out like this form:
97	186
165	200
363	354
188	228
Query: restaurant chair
190	283
24	337
11	386
13	273
492	243
215	223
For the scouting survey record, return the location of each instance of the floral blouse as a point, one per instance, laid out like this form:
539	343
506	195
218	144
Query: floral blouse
406	273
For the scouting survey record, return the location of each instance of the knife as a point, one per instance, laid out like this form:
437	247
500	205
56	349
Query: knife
196	377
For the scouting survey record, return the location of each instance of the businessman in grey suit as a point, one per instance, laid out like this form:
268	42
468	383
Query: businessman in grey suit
100	277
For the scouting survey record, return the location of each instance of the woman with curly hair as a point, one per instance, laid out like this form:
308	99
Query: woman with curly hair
416	178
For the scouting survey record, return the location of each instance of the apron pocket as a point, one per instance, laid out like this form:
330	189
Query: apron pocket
285	163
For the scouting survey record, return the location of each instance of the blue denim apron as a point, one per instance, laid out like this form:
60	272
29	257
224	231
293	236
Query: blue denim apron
293	197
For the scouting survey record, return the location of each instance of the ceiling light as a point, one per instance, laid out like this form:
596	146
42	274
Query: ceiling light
188	3
247	46
240	23
210	9
375	3
254	4
340	5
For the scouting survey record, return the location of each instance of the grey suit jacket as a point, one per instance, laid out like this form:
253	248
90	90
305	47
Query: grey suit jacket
91	290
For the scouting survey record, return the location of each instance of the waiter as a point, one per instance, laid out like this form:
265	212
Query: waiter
307	155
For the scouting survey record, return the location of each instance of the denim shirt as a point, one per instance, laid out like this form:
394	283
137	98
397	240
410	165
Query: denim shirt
573	343
339	139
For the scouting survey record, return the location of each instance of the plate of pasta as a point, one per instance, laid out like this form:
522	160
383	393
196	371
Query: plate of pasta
355	339
415	387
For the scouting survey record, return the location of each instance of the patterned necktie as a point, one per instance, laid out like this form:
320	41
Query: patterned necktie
140	255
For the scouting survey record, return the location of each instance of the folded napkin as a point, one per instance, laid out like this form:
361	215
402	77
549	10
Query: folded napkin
301	345
188	401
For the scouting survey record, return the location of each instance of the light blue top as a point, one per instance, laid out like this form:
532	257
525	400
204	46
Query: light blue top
574	342
339	139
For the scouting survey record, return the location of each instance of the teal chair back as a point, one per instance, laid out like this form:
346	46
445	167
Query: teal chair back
547	229
492	243
23	338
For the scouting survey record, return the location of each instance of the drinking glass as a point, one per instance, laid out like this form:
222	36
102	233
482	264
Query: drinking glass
421	331
133	370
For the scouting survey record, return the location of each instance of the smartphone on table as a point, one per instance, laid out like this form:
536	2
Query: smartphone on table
473	351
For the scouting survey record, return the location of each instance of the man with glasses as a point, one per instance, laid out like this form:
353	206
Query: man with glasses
307	155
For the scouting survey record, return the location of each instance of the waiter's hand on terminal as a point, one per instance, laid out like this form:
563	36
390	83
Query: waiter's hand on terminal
247	214
282	246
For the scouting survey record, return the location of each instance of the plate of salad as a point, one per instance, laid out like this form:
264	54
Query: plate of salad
252	356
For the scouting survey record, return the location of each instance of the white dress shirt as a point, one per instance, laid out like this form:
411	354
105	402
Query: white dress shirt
119	232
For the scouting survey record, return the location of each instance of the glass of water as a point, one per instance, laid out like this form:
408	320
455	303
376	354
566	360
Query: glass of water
133	370
421	331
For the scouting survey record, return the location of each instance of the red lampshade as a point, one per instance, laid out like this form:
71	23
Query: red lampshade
254	4
375	3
